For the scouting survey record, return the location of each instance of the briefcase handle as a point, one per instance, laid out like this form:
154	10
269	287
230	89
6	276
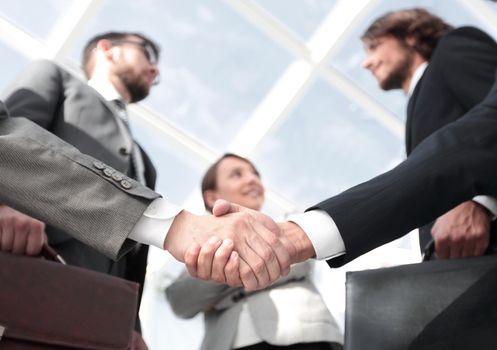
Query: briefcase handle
50	254
429	250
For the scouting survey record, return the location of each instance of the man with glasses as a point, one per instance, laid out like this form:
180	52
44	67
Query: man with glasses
121	68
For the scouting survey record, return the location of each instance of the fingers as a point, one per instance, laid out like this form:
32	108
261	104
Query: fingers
204	263
7	237
248	278
281	254
481	246
468	248
232	270
222	207
455	250
463	231
20	233
221	258
267	267
270	249
36	238
191	257
208	261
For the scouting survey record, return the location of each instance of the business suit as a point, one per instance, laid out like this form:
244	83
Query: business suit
72	110
289	312
51	180
450	166
459	75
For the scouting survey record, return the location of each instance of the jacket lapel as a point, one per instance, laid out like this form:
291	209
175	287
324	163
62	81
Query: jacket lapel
411	107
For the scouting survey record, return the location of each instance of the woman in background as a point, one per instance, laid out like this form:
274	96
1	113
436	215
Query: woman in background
289	314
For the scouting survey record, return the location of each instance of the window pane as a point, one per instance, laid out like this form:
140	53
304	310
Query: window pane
301	16
349	58
36	17
326	145
215	69
13	63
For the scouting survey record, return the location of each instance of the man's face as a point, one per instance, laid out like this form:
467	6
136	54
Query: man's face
238	182
389	60
136	67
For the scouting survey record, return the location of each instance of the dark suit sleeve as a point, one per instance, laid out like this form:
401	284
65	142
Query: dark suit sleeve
453	165
37	93
466	58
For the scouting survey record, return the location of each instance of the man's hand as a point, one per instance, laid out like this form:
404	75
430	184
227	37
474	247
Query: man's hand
463	231
257	246
20	233
217	261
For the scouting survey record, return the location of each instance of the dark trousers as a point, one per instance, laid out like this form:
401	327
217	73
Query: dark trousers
300	346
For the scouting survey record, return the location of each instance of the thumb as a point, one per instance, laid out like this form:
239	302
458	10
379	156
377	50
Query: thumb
223	207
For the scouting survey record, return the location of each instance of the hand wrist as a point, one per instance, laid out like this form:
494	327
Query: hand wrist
297	237
179	236
483	209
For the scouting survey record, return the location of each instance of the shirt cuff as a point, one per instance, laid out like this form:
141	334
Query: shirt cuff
322	232
490	203
153	226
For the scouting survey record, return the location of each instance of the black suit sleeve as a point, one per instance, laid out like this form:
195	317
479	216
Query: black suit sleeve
454	164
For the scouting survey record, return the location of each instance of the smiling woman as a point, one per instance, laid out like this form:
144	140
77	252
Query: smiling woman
274	318
234	179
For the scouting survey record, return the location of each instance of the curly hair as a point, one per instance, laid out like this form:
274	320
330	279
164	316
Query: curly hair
417	23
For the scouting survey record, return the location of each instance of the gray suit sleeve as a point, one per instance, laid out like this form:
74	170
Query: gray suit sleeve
188	296
52	181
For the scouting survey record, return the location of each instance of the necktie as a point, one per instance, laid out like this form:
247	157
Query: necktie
136	156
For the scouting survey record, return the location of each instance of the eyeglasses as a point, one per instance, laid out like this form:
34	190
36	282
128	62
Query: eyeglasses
147	49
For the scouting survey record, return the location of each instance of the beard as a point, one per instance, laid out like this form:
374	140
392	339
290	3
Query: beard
137	87
399	73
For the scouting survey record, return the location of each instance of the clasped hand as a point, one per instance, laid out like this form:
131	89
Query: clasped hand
243	248
20	233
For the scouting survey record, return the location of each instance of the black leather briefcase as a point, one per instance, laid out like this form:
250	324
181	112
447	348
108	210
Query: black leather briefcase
440	304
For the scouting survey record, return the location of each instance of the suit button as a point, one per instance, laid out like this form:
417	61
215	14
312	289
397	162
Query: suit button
99	165
124	151
125	184
108	172
116	176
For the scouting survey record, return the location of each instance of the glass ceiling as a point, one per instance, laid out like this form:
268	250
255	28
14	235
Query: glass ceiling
279	81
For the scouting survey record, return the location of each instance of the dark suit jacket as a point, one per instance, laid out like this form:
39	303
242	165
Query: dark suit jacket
72	110
459	75
450	166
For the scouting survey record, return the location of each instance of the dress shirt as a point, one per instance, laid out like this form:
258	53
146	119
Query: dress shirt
153	226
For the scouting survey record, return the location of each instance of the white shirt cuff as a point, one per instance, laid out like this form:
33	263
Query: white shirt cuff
153	226
322	232
490	203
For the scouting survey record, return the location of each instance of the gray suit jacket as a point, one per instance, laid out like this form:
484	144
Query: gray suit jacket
72	110
288	312
68	107
53	181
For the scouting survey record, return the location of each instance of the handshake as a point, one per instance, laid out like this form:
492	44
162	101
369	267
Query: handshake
237	246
